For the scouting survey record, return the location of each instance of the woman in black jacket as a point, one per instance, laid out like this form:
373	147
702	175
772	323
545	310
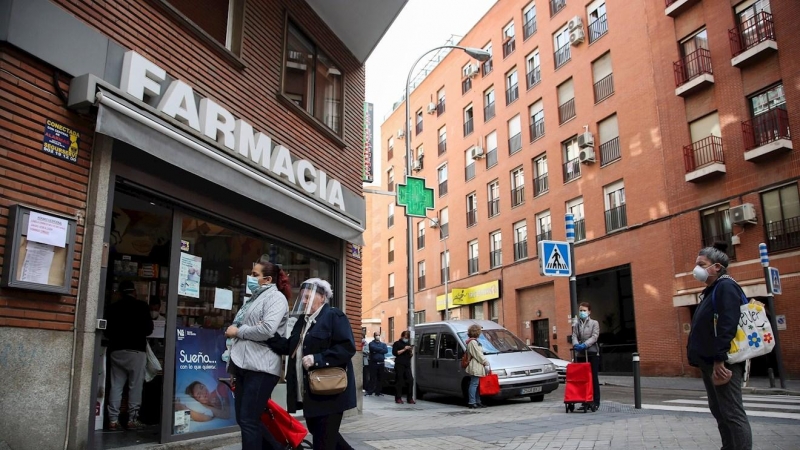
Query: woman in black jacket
322	337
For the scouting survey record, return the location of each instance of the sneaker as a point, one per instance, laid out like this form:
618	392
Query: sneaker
135	425
411	401
398	401
471	406
113	426
480	405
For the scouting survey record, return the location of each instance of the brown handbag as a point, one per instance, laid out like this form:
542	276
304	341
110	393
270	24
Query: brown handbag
327	381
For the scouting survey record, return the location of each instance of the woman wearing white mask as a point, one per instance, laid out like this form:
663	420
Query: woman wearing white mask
585	333
714	325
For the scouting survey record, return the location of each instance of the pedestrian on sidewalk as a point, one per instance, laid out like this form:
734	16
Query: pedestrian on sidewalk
714	326
377	356
477	367
585	332
403	351
365	365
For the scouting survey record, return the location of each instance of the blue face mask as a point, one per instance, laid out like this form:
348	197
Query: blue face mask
252	283
583	314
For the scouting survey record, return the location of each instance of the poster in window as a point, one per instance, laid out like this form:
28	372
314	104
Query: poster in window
189	275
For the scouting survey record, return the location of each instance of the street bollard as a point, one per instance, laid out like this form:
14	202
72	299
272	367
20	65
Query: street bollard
637	385
771	375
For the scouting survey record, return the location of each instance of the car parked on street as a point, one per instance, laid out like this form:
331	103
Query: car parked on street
561	365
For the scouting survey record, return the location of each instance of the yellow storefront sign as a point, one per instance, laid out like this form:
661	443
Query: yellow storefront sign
470	295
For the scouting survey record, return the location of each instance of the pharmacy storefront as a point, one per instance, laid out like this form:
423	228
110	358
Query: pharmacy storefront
475	302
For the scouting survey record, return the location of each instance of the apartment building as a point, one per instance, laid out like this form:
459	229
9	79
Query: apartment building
661	126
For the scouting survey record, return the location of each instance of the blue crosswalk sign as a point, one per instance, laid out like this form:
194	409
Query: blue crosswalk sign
554	260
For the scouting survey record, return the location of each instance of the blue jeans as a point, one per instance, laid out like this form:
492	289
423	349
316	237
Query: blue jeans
253	389
474	399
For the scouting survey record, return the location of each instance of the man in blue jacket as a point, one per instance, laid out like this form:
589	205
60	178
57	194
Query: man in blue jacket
377	355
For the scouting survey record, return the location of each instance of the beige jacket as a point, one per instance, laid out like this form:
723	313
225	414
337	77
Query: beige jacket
476	359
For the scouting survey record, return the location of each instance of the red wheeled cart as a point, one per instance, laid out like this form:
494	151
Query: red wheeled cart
578	388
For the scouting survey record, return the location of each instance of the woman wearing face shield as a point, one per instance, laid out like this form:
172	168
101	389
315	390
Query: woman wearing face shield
255	367
714	325
322	337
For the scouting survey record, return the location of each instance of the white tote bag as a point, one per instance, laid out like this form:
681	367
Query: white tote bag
152	367
754	335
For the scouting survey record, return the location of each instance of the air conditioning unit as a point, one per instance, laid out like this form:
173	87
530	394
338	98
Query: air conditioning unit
585	140
431	108
575	22
416	165
471	71
576	36
743	214
400	133
476	152
586	155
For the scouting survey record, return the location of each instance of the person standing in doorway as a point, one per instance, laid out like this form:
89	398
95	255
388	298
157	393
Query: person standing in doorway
127	328
377	356
585	333
403	351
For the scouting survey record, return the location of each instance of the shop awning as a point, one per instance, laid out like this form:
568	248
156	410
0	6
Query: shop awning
152	135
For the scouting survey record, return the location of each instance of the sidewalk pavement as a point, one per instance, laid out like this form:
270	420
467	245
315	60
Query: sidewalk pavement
755	386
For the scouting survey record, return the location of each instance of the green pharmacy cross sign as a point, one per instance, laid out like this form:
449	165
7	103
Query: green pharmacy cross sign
415	197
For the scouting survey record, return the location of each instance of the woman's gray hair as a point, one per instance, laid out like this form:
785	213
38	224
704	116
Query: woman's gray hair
716	254
322	286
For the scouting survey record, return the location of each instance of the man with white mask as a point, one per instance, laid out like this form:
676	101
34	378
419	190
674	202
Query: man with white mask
377	356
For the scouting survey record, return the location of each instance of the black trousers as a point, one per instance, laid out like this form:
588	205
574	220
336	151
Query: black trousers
325	432
375	378
404	380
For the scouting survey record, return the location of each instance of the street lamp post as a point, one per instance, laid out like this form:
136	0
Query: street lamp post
446	259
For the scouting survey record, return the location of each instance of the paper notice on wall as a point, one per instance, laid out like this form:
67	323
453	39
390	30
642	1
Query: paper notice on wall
223	299
47	229
159	329
189	275
37	264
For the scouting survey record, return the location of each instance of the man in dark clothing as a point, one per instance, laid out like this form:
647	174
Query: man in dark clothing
403	350
377	355
128	326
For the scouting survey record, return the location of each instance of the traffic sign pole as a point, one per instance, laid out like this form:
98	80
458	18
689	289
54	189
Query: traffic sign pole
573	282
762	249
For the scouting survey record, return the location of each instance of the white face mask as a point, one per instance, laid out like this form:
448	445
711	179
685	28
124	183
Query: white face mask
154	314
700	274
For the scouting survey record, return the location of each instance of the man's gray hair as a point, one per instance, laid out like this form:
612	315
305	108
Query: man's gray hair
322	286
717	255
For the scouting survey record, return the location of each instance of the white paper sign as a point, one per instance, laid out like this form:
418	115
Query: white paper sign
47	229
38	260
159	329
189	275
223	299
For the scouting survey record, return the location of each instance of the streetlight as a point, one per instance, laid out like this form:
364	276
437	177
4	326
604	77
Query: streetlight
436	225
480	55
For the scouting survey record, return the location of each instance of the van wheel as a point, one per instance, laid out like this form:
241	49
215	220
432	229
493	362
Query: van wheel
537	398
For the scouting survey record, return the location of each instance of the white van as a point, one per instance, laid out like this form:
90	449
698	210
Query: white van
439	346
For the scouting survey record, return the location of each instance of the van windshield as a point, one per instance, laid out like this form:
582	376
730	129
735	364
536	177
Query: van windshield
498	341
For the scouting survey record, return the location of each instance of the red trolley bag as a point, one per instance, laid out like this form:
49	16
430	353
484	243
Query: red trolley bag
284	428
578	388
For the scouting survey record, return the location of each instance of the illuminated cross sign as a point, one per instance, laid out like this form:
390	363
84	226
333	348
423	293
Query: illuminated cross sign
415	197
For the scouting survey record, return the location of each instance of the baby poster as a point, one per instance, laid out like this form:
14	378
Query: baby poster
189	275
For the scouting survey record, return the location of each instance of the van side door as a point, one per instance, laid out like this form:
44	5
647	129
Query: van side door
448	366
426	361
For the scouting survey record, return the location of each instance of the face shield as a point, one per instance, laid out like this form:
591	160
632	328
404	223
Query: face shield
314	293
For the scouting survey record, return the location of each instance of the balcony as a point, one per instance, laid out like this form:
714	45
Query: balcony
520	250
540	185
609	151
466	85
445	274
766	134
391	256
419	127
517	196
537	129
469	171
556	6
472	217
598	28
468	127
390	221
472	265
421	282
442	188
783	234
442	147
494	207
534	76
391	292
616	219
753	40
562	55
444	230
440	107
604	88
488	112
512	94
491	158
420	242
529	29
704	159
545	236
566	111
580	230
515	143
675	7
509	46
693	72
496	258
487	67
572	169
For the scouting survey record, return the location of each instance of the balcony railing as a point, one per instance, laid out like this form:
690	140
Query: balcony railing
520	250
566	111
534	76
572	169
491	158
751	32
556	6
488	112
708	241
691	66
442	147
420	242
509	46
529	28
512	94
515	143
445	274
472	217
421	282
517	196
537	129
391	291
562	55
472	265
703	152
442	188
494	207
540	185
766	127
598	28
390	154
487	67
469	171
468	127
419	127
545	236
580	230
466	85
444	230
616	219
604	88
496	258
440	107
783	234
390	221
609	151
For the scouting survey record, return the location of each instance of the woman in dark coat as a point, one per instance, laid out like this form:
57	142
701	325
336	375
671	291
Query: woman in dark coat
327	341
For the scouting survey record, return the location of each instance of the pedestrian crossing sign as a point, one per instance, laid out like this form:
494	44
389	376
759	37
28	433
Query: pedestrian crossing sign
554	259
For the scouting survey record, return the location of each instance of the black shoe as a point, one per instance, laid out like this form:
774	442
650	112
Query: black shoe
471	406
480	405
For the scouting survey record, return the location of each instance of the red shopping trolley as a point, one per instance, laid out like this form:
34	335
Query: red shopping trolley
578	387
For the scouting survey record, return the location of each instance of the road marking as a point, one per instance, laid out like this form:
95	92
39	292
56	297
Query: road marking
774	415
768	398
746	404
